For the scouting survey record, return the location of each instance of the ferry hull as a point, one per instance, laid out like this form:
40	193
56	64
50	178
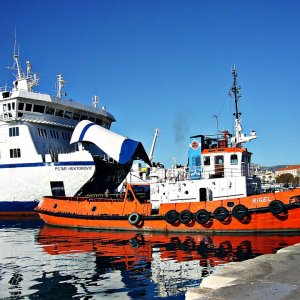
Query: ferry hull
17	207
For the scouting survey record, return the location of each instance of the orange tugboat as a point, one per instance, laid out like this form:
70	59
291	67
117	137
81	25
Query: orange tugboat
216	193
267	212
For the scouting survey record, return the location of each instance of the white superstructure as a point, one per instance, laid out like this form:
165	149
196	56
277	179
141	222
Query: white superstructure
218	167
36	157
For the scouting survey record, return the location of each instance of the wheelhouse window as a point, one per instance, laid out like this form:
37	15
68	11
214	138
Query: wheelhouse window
38	108
14	131
219	160
68	114
21	106
49	110
59	113
206	160
28	107
246	159
233	159
76	116
14	153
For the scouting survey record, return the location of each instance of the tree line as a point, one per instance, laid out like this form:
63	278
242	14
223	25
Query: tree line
288	179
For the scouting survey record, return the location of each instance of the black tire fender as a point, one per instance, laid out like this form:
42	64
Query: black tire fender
221	213
240	211
185	216
134	218
276	207
171	216
202	216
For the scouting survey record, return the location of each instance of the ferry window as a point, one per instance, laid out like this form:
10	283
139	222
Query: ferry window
15	153
219	160
13	106
68	115
82	117
91	119
106	125
233	159
98	122
206	160
20	115
51	133
76	116
49	110
13	131
28	107
9	106
38	108
59	113
4	107
21	106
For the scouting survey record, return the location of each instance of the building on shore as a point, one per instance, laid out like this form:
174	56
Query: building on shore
294	170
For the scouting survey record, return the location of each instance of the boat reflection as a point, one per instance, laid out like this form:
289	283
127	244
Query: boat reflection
133	262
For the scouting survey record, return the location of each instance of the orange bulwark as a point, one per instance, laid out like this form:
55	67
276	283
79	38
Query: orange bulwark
271	212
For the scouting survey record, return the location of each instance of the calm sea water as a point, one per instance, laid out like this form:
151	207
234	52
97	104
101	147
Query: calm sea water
41	262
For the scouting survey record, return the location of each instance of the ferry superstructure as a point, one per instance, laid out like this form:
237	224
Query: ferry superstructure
36	157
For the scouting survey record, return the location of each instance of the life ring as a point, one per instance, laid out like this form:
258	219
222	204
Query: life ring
202	216
185	216
171	216
221	213
276	207
240	211
134	218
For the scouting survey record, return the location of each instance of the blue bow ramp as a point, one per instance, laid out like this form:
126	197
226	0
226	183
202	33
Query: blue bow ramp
120	148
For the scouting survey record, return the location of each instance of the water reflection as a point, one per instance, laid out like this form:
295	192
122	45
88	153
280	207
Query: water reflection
58	263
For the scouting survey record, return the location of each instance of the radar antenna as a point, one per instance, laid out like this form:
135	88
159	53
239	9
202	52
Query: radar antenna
239	137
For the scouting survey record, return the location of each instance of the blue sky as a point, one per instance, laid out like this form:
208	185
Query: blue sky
167	64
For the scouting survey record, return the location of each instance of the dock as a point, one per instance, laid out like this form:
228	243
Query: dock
270	276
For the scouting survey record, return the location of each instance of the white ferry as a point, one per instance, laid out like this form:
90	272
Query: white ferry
36	157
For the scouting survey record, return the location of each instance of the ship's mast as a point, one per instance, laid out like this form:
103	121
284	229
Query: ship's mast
239	137
23	81
60	84
153	144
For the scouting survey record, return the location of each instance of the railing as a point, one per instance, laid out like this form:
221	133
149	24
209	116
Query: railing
183	173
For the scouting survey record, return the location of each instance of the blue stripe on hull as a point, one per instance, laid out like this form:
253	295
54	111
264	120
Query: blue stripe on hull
17	206
66	163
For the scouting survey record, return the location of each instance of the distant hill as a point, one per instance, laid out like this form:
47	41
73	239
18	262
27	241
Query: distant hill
273	168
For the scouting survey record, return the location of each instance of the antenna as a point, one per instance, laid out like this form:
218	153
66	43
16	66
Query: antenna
60	84
16	58
153	144
239	137
95	100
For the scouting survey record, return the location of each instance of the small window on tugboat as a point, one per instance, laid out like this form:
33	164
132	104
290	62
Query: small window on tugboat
206	160
219	160
233	159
